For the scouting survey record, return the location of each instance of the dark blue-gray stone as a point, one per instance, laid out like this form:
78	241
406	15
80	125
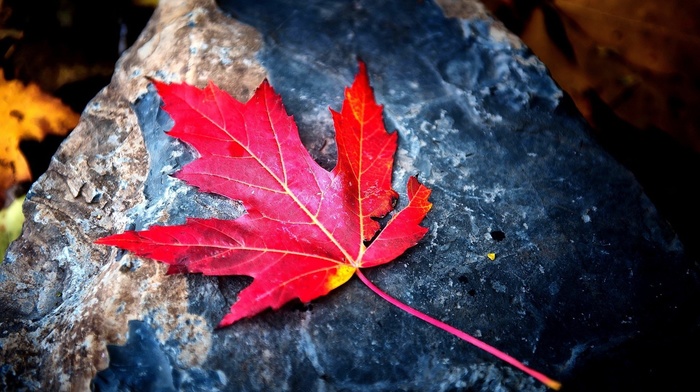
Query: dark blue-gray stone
142	364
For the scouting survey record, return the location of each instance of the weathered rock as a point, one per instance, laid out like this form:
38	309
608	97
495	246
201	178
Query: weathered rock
586	271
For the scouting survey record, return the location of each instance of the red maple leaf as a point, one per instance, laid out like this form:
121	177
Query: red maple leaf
306	230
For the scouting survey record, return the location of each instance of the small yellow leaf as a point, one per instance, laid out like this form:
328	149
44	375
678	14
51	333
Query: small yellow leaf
11	220
27	113
491	256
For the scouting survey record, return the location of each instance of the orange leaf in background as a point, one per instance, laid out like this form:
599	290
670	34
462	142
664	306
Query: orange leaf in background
26	113
639	57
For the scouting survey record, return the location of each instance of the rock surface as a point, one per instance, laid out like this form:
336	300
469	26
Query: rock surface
587	282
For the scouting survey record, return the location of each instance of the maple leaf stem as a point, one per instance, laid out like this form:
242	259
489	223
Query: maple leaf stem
553	384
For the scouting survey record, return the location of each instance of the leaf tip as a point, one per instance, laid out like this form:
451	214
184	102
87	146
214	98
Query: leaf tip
362	77
264	85
223	324
230	319
108	240
158	84
415	189
362	67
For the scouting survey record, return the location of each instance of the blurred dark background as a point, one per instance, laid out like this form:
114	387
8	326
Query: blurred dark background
632	68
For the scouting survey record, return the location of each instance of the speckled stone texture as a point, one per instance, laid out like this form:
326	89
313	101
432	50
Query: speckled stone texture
589	285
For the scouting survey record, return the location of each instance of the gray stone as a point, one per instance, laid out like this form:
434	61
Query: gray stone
586	271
